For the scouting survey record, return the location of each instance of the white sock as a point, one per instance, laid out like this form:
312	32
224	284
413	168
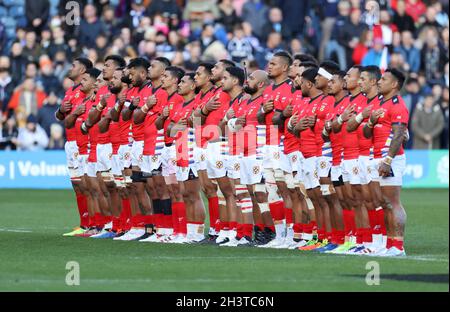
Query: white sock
307	236
108	226
280	230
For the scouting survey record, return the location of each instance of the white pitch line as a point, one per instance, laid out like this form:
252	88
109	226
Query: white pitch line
15	230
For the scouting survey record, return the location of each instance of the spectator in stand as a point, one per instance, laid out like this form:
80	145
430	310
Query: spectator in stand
363	46
410	53
427	124
31	51
228	16
415	8
135	15
56	141
37	12
294	13
444	107
27	97
46	114
32	137
48	79
207	36
90	27
276	24
274	43
239	47
199	12
433	57
255	12
110	22
403	20
429	20
333	45
6	83
8	133
411	97
441	16
18	63
164	7
373	56
329	11
195	54
350	33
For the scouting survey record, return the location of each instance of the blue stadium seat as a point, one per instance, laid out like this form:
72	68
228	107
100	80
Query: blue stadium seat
3	12
17	11
9	22
10	3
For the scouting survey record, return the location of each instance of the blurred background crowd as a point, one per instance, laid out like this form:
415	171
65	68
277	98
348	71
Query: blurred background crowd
39	39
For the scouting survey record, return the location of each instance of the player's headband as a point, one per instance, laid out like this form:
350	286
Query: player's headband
324	73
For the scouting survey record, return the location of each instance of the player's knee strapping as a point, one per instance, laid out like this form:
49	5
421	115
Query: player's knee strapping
107	176
290	182
244	201
327	189
279	175
222	201
138	176
271	186
127	181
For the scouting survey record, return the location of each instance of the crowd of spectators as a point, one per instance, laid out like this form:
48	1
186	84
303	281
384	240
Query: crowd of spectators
39	38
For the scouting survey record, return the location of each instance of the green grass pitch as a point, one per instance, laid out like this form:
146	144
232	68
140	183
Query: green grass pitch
33	255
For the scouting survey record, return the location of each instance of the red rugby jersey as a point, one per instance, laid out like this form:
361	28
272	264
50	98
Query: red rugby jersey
308	137
200	101
291	142
365	144
153	139
210	129
72	93
143	93
174	102
281	94
234	144
337	138
299	103
250	108
81	139
395	112
350	139
184	140
104	138
321	112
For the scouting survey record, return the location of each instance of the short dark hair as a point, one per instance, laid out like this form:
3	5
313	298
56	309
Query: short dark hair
117	59
227	63
238	73
309	65
398	75
411	80
190	75
310	74
176	72
330	66
285	55
93	72
340	73
358	67
163	60
139	62
85	61
207	66
303	58
373	70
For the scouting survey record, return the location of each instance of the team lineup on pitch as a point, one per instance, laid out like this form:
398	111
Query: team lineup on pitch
302	156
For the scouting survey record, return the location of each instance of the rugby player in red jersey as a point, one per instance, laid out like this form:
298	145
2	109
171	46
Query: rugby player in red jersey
350	167
368	174
119	131
138	71
253	140
387	125
100	121
76	119
233	82
304	220
169	83
154	97
329	133
191	212
276	98
324	153
222	216
79	67
302	125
